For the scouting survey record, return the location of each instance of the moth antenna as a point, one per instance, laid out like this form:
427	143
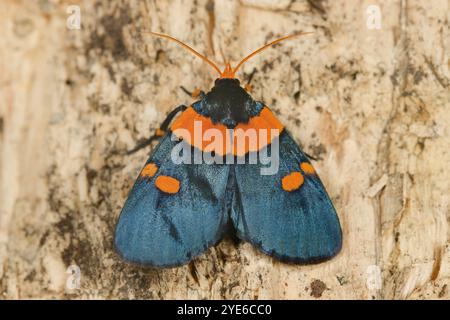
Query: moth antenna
268	46
161	35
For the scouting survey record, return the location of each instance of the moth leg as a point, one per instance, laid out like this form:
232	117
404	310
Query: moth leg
311	157
194	94
248	87
160	131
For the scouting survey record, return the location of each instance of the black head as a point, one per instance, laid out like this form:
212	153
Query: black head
228	91
228	103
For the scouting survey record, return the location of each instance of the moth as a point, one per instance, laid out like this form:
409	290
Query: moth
180	206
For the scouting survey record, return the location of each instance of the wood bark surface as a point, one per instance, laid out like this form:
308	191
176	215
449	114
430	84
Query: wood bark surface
372	104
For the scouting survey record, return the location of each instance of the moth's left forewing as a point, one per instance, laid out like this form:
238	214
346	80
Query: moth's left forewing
173	213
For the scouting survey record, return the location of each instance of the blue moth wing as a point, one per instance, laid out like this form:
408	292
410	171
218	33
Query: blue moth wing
299	226
164	230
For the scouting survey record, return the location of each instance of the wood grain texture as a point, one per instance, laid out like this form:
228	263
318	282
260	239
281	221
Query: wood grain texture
372	105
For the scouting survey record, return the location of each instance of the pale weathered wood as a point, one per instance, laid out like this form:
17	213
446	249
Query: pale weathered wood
373	105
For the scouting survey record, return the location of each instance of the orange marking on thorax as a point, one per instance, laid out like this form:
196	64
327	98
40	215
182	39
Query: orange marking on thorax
292	181
149	170
307	168
265	120
227	72
187	122
159	132
167	184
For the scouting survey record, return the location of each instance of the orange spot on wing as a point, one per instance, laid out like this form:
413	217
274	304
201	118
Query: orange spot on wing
265	120
149	170
167	184
307	168
292	181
